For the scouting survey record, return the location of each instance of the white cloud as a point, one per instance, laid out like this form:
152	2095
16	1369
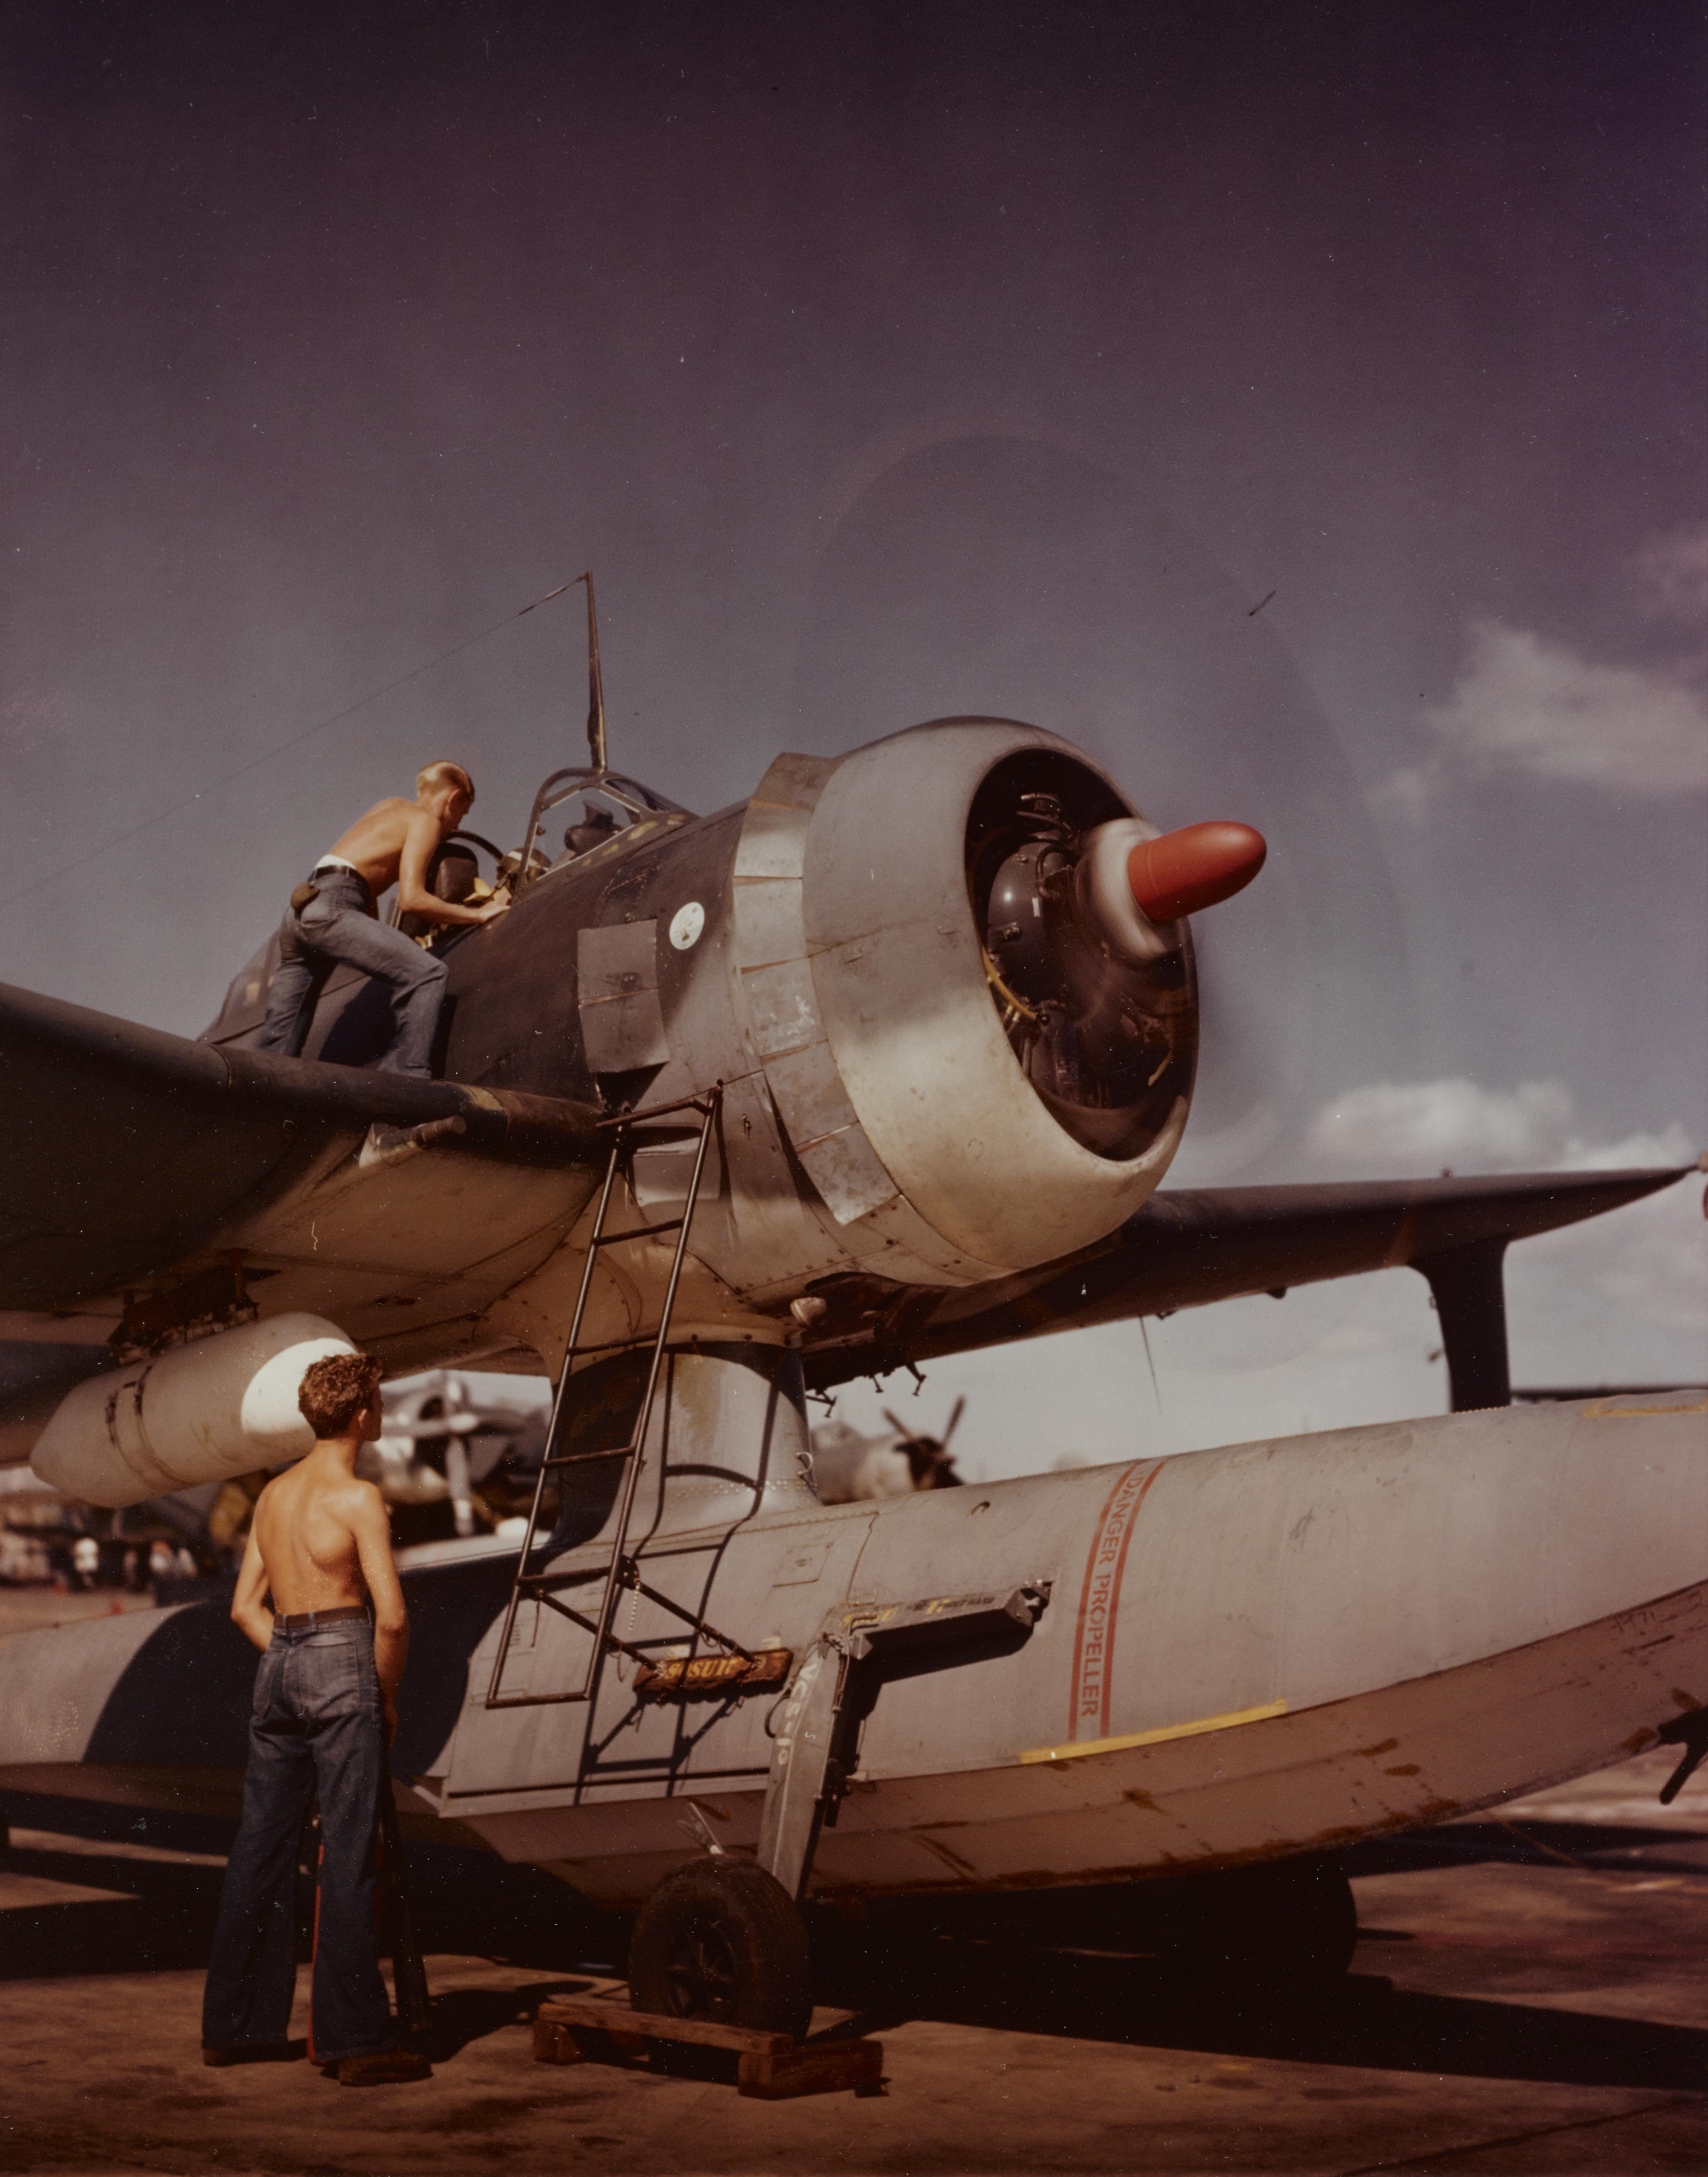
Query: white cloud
1421	1126
1524	704
1416	1128
1672	575
1411	792
1672	1146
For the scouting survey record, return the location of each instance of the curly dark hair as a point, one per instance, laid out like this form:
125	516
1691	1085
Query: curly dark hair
337	1389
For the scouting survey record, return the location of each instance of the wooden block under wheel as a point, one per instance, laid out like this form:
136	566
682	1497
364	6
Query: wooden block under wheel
770	2066
634	2029
554	2043
819	2067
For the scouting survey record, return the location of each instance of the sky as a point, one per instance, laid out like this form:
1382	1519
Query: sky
1297	407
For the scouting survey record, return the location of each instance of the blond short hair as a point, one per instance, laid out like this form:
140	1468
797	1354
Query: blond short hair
444	773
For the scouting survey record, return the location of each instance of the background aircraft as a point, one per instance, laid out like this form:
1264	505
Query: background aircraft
847	1466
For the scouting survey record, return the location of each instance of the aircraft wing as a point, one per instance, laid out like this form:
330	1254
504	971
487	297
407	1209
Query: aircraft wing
124	1148
1188	1247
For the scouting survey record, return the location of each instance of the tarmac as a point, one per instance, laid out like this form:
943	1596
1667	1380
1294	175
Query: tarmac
1528	1996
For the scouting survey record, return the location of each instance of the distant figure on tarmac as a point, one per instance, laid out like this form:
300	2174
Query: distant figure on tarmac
324	1711
331	918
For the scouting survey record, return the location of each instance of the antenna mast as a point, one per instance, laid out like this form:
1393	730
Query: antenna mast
596	686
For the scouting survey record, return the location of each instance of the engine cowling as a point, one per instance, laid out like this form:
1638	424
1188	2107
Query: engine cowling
973	1073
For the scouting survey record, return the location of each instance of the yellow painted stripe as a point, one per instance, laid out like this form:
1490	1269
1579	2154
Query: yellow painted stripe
1606	1411
1073	1753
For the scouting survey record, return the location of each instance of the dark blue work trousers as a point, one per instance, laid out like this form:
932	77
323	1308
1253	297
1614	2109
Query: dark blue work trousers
316	1720
339	925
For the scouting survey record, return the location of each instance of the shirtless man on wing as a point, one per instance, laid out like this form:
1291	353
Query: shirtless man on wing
325	1709
331	918
393	844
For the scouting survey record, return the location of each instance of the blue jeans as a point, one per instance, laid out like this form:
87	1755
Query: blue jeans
316	1720
340	925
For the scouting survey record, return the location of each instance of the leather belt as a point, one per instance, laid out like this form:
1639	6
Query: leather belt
308	1620
329	873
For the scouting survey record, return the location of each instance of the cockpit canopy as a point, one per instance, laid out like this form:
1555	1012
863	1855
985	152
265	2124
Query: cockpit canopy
610	804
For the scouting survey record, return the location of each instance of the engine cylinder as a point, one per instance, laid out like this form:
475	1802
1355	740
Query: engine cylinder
223	1405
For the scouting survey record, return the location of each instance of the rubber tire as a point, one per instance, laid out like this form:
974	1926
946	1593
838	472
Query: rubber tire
732	1915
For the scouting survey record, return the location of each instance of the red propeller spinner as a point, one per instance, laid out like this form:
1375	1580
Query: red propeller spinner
1185	871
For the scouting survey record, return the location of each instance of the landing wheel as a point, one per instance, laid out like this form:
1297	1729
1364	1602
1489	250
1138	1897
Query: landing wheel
721	1940
1290	1923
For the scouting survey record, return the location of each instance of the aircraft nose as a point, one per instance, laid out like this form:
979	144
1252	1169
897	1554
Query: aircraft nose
1198	866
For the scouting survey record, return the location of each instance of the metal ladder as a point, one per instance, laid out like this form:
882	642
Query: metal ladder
622	1572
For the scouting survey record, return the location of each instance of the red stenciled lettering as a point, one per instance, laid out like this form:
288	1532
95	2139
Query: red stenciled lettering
1100	1596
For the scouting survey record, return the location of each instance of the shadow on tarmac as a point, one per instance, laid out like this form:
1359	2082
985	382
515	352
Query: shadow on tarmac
470	1904
1360	2020
1530	1843
462	2014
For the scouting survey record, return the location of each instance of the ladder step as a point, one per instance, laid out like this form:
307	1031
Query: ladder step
706	1104
638	1232
583	1458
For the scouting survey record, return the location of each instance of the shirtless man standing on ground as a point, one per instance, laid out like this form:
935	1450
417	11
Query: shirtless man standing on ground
325	1709
331	918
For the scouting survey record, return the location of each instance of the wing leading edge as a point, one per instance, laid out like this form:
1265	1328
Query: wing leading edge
1184	1249
124	1147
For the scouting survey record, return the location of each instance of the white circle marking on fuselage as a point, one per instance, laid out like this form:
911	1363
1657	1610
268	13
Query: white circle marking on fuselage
686	925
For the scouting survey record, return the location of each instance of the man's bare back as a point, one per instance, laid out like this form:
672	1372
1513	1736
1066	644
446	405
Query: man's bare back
395	842
375	843
320	1539
306	1526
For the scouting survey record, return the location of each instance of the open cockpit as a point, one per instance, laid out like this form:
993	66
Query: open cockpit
609	817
